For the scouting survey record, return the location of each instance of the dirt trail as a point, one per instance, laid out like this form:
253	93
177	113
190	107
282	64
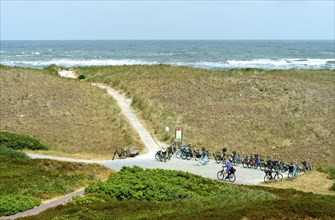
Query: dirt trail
124	105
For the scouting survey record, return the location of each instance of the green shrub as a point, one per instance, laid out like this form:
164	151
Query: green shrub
11	153
81	200
166	185
10	205
19	142
332	173
81	76
52	69
332	188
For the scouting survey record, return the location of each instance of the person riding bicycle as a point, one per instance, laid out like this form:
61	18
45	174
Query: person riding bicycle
228	166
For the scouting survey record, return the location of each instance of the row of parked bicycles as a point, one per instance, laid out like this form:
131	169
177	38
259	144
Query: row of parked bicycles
273	169
186	152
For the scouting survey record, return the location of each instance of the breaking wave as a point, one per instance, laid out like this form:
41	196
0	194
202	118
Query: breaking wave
228	64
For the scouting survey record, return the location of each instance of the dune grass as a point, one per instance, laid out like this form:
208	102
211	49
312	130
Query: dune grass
73	118
280	113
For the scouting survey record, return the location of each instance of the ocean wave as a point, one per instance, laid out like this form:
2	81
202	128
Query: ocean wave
75	63
226	64
268	64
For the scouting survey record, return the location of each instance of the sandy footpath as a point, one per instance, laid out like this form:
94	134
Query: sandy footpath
67	74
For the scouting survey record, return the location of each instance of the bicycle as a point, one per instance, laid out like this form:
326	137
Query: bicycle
122	153
224	174
221	157
292	171
161	154
269	177
203	160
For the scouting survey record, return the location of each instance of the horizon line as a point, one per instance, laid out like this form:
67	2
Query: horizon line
166	39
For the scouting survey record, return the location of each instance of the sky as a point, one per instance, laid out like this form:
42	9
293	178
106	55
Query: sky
167	20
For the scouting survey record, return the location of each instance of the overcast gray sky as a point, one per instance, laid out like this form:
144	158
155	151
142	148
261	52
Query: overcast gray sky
79	20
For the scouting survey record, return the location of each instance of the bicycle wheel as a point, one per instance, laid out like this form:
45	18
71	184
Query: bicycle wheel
262	167
232	178
220	175
188	156
123	155
267	178
157	156
283	169
183	156
279	177
245	165
218	159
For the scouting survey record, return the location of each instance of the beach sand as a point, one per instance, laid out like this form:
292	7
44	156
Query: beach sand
67	74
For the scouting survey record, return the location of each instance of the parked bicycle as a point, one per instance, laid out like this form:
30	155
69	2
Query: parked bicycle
306	165
235	159
293	171
122	153
161	154
271	175
203	159
221	157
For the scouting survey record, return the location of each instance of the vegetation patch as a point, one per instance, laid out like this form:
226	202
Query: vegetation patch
10	205
25	182
52	69
20	142
180	195
331	175
164	185
11	153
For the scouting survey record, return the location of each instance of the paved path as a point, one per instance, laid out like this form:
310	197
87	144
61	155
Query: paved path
147	160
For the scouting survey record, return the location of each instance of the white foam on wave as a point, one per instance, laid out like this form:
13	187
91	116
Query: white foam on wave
280	62
269	64
74	63
229	64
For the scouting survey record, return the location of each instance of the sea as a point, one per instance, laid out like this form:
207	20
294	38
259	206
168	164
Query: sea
207	54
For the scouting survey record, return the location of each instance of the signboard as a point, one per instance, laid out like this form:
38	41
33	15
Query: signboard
179	134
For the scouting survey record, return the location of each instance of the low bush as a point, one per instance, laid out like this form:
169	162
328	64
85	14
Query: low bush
20	142
81	76
10	205
11	153
166	185
52	69
229	202
331	174
82	200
